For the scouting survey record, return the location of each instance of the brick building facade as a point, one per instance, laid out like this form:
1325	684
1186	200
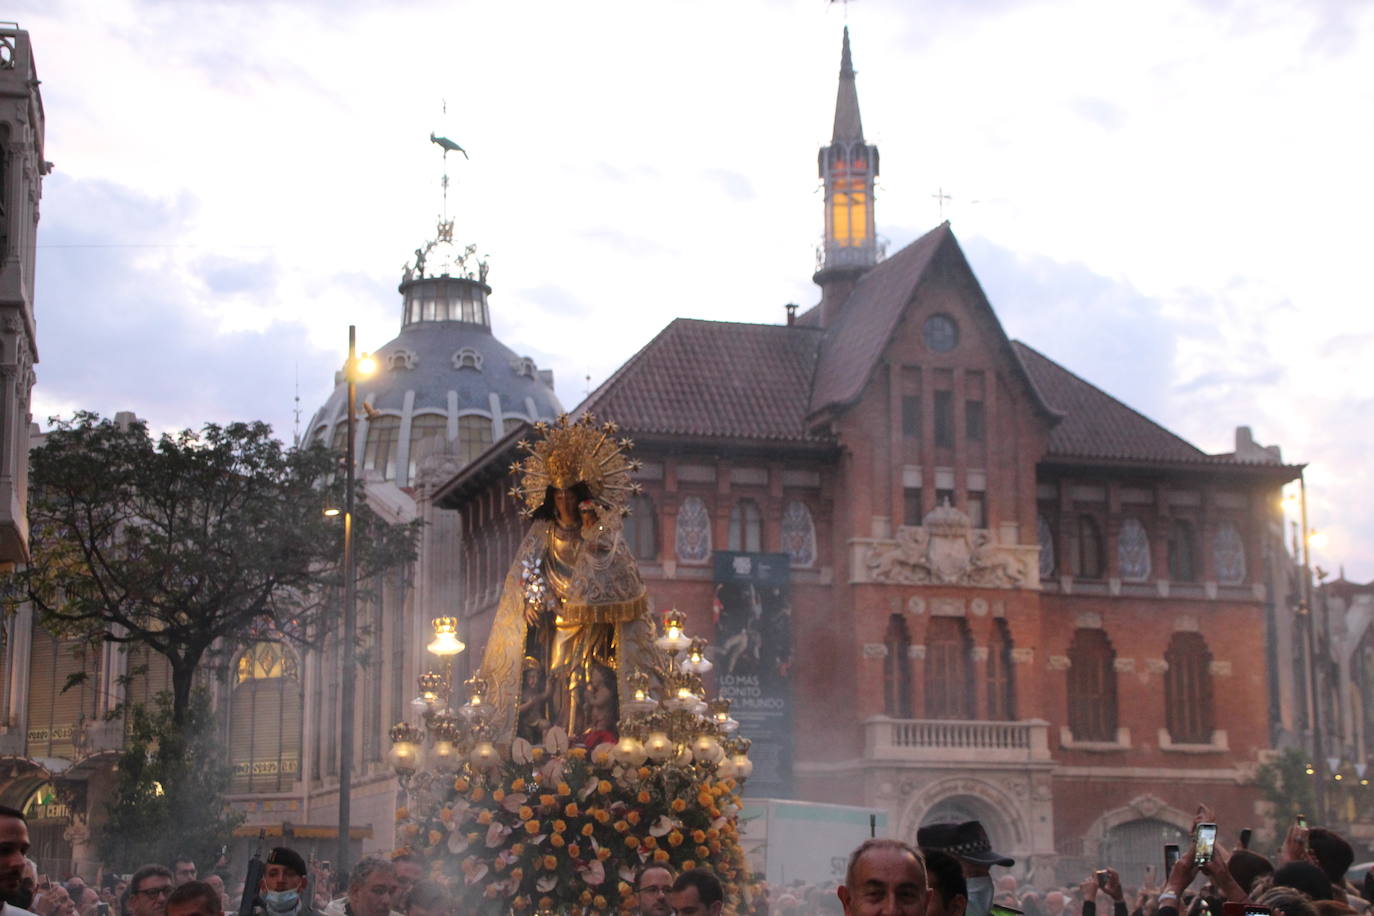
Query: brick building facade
1012	596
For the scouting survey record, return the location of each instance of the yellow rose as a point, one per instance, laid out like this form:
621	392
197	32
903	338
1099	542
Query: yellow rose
538	754
564	789
531	827
550	863
434	837
688	865
678	805
642	797
557	840
516	874
577	753
599	902
545	903
698	836
651	842
498	795
675	838
574	851
525	812
632	841
518	849
478	794
703	852
621	826
585	898
602	816
559	826
632	817
625	889
587	829
660	855
570	809
704	799
548	801
484	817
603	853
604	787
643	772
402	813
460	784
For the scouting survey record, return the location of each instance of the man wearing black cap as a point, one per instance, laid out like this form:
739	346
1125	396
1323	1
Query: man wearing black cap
968	842
283	887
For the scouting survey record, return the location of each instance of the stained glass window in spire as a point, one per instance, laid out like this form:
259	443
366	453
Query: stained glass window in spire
1133	551
1229	554
798	533
693	533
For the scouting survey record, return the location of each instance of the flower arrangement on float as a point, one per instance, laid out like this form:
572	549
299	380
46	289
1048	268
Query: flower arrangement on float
561	827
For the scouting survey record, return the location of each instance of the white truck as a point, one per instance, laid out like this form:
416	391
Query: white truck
804	841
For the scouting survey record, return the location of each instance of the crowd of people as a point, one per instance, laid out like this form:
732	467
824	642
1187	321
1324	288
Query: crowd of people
949	872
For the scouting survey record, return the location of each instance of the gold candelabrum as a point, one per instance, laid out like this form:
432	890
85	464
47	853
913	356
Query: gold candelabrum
668	720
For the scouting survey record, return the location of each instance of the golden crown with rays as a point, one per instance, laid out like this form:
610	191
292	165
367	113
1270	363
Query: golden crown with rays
570	452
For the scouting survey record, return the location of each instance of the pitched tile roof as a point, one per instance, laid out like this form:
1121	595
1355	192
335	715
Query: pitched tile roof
856	340
1097	425
715	379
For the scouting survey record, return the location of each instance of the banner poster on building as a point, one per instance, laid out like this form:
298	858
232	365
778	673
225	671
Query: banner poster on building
753	660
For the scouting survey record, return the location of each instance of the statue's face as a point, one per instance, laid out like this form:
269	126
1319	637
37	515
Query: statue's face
565	507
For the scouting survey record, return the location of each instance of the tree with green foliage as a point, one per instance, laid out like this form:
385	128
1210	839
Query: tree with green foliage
1287	786
193	544
169	790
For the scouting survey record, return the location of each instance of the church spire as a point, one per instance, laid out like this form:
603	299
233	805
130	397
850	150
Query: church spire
848	125
848	166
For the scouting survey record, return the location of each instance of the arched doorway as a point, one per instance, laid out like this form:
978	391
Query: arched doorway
1134	845
48	821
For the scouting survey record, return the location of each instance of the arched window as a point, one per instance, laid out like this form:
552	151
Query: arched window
401	359
1045	535
1001	688
1188	689
1228	553
746	527
1092	686
474	437
467	358
1089	548
525	366
1182	552
383	440
1133	550
799	534
265	720
693	532
641	528
897	669
949	676
428	433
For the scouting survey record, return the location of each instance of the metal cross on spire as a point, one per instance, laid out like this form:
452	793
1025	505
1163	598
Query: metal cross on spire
941	197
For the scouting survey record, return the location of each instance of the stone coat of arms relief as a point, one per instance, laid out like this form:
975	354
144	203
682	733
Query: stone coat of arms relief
946	550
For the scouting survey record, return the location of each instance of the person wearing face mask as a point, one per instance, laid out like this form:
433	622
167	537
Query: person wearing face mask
968	842
283	887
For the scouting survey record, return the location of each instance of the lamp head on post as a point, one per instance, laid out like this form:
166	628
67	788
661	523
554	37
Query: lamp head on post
446	641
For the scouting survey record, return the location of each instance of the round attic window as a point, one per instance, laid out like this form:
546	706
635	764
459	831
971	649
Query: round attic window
940	333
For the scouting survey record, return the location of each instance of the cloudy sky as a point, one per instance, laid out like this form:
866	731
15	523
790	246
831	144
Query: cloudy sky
1171	198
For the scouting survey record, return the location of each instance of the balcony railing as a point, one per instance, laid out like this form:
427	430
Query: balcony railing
956	740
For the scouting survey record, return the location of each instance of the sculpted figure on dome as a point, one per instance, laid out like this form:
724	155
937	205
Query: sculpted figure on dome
573	612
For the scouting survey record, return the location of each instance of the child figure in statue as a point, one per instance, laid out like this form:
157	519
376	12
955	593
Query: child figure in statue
533	716
601	707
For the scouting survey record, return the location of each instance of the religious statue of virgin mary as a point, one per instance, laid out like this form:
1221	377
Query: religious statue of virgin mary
573	614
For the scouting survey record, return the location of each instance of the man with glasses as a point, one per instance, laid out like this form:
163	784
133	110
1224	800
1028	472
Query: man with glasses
652	887
149	889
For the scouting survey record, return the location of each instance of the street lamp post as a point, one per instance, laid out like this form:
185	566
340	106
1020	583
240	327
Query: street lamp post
353	369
